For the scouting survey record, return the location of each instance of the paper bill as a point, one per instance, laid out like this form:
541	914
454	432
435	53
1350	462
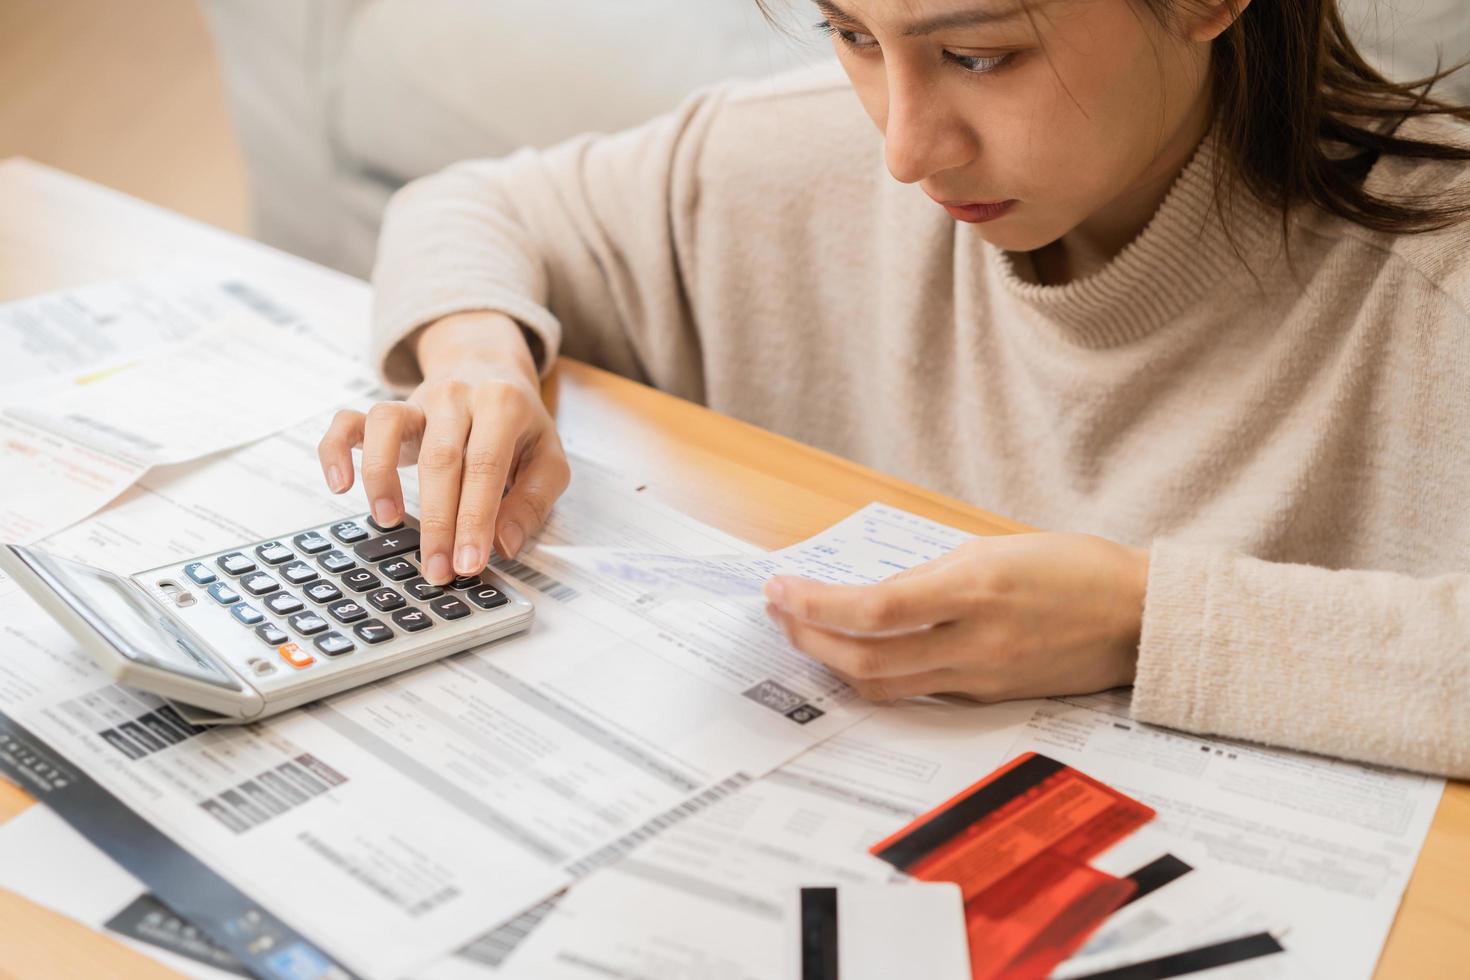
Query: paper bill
867	546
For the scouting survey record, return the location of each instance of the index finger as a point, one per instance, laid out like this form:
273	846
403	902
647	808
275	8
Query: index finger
898	604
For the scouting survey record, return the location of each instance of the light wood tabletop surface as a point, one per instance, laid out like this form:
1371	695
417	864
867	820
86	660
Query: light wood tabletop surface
57	231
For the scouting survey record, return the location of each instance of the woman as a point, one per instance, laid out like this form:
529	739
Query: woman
1184	274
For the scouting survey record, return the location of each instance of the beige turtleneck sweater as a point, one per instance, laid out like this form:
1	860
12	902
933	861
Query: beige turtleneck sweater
1291	439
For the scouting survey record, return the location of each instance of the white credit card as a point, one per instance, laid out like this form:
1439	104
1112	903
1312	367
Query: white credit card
878	932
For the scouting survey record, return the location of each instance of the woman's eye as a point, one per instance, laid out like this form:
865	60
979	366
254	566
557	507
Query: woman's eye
979	64
853	39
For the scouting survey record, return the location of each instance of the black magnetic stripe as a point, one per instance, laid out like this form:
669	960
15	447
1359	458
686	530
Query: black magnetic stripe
903	853
1194	960
1155	875
819	934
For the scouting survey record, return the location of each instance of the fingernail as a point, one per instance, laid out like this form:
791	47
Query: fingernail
334	479
383	512
468	562
511	538
437	571
776	592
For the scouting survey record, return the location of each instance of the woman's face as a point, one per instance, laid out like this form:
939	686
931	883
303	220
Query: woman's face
1051	115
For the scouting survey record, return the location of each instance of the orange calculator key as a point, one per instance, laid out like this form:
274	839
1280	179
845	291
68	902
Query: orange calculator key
295	656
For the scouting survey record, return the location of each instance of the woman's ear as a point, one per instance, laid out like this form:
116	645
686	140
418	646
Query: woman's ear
1206	20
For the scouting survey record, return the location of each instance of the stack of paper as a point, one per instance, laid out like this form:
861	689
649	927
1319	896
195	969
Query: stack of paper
103	382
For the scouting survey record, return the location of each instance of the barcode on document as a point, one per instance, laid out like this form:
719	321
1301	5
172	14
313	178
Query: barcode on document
494	947
539	581
663	821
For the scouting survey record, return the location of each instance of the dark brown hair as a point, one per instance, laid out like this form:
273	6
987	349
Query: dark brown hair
1302	117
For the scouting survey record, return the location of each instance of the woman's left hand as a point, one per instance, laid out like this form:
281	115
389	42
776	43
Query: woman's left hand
1015	616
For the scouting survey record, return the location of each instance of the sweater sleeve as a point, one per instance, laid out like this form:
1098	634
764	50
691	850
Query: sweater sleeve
580	243
1366	665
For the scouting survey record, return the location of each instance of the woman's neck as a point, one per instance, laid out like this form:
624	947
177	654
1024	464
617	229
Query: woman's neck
1096	241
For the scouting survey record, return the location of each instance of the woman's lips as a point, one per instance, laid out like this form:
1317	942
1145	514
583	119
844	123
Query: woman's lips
974	213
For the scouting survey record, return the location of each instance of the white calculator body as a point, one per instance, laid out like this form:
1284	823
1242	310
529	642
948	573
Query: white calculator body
239	635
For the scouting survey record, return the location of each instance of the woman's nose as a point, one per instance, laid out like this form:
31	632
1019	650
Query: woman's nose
922	136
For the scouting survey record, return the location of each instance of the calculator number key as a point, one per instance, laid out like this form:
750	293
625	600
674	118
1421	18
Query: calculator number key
336	561
259	583
334	644
312	543
349	532
412	619
450	607
283	604
399	542
398	569
224	594
271	634
298	572
199	573
487	597
235	563
307	623
360	580
323	592
386	600
246	613
421	590
273	553
373	631
347	611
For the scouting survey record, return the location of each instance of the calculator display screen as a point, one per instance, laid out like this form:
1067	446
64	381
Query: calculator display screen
132	627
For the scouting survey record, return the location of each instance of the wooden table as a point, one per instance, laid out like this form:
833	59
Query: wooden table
57	231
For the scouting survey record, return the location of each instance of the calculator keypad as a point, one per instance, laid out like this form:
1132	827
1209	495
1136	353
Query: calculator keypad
284	604
421	590
398	569
307	623
360	580
386	600
311	543
412	620
334	644
235	563
323	592
273	553
372	631
199	573
223	594
347	611
259	583
340	592
391	545
349	532
298	572
336	562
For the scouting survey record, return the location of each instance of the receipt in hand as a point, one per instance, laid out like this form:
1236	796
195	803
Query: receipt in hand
867	546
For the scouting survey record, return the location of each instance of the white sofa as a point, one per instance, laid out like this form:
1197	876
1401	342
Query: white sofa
338	102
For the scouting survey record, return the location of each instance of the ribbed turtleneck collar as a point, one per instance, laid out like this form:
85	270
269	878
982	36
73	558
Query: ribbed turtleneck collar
1181	254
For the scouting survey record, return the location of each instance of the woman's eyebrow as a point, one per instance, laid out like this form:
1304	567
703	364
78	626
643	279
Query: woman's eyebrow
957	18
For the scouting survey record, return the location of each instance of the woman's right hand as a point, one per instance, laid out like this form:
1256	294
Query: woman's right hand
490	461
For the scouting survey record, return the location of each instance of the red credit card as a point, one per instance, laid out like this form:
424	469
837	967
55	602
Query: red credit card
1017	843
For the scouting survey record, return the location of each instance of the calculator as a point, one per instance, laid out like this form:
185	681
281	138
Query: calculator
242	634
